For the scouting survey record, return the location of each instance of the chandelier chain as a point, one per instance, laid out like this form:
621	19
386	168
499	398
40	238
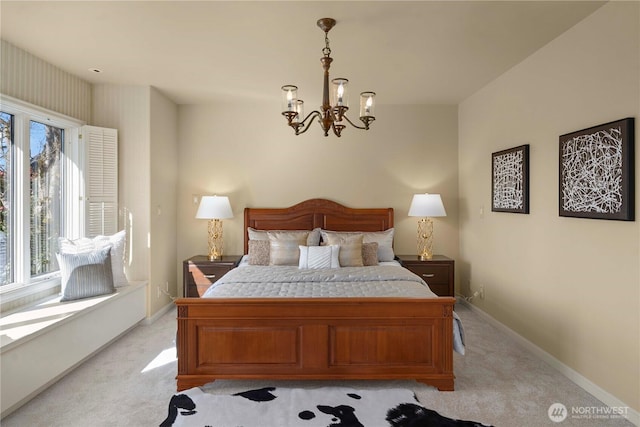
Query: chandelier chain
326	51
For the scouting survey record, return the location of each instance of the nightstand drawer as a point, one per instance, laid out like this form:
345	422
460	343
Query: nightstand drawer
206	275
439	289
199	273
432	274
437	272
193	290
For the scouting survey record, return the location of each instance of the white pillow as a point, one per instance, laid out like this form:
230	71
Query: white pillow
384	239
117	244
319	256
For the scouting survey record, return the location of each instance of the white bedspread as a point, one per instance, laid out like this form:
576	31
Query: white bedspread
292	282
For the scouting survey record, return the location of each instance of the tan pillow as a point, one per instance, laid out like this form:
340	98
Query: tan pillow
259	252
350	248
313	238
370	253
383	238
285	251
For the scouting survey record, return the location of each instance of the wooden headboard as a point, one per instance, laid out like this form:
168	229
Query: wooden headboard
316	213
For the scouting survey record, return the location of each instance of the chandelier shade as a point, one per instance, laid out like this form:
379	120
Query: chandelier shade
332	115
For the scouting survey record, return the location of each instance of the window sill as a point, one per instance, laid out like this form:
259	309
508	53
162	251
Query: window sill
18	295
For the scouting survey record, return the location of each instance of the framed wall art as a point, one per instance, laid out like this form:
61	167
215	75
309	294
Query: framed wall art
597	172
510	180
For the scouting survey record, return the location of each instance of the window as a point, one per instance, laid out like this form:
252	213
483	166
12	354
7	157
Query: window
6	129
45	197
32	193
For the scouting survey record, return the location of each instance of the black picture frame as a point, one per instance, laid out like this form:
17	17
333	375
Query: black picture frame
597	172
510	180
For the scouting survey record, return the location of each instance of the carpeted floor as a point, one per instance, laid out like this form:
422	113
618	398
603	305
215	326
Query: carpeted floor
130	383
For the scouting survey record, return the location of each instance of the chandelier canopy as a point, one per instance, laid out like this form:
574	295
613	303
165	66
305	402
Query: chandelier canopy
332	114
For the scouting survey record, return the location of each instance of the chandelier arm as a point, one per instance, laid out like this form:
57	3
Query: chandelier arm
353	124
306	128
314	113
308	125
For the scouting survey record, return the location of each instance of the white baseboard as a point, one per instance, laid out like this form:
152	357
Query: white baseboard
167	308
591	388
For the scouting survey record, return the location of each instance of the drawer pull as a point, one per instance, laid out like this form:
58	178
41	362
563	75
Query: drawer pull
210	276
428	275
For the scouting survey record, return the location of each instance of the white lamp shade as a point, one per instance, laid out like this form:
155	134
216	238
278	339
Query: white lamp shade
214	207
427	205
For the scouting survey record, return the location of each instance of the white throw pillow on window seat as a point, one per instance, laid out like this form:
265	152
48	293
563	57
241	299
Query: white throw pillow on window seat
117	244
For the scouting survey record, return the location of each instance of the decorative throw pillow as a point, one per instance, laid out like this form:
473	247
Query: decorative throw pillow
86	274
259	252
319	257
384	239
285	251
370	253
313	236
116	242
350	248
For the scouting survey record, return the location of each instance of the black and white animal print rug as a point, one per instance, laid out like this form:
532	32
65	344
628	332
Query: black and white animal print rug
294	407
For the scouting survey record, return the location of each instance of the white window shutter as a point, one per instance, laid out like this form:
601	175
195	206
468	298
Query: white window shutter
101	180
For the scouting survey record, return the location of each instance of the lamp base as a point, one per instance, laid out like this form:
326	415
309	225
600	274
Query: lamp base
425	239
215	239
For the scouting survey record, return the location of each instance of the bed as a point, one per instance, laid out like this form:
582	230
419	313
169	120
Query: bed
318	337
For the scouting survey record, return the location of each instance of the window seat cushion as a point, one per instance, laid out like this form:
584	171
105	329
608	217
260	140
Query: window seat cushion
31	320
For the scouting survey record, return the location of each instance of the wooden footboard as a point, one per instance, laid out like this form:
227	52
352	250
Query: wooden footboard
315	338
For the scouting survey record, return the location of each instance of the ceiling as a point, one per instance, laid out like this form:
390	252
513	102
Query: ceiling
415	52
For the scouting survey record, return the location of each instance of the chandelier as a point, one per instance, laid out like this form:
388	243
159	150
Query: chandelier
332	114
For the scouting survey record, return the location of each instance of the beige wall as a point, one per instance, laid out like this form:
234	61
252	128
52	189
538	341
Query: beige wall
248	153
147	170
571	286
126	108
163	199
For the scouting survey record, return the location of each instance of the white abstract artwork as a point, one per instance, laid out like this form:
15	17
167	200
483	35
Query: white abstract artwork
596	172
510	180
592	172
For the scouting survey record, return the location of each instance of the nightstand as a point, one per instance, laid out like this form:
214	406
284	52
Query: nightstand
198	273
438	272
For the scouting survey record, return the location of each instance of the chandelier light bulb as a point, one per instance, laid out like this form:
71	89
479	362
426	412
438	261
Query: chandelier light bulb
290	95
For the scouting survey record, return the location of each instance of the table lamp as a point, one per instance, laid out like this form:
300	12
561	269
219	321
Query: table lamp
215	209
426	206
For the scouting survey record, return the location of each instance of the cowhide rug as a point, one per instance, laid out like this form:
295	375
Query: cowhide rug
322	407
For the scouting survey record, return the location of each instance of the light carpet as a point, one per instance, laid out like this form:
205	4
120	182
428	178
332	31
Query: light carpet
129	384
